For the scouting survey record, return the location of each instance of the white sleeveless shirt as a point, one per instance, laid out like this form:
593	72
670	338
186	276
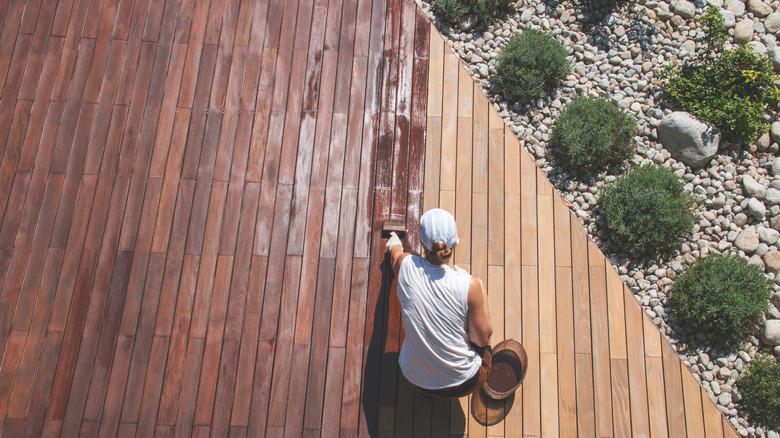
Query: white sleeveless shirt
434	305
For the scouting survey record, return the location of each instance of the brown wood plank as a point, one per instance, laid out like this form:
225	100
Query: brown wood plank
214	337
36	338
39	398
280	383
546	257
178	342
189	387
315	386
143	339
152	386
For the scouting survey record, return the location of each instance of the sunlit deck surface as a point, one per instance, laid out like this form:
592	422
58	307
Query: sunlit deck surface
191	195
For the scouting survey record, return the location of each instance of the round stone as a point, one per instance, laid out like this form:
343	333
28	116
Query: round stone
747	241
743	32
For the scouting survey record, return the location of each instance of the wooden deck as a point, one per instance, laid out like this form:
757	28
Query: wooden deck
191	193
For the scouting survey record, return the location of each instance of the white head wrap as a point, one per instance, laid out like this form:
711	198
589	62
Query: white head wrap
437	225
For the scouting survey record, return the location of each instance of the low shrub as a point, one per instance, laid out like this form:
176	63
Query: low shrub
647	210
730	89
531	65
454	11
760	389
593	132
722	296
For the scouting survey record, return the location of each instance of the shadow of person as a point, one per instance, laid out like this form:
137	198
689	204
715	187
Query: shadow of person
391	406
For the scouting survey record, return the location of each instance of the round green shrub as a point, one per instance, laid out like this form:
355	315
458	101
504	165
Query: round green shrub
647	210
591	132
760	389
721	296
531	65
454	11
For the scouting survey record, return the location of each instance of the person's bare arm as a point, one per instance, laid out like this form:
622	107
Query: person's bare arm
397	253
479	326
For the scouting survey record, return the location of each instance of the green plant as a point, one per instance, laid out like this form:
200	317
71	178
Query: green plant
647	210
721	296
531	65
760	389
730	89
591	132
454	11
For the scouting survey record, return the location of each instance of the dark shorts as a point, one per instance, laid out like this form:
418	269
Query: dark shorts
470	385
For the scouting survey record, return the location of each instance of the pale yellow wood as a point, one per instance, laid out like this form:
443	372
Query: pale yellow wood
567	387
652	337
528	208
432	163
435	73
600	343
463	191
728	429
530	322
511	162
447	200
549	393
621	407
562	232
449	120
479	239
513	270
496	306
616	312
495	190
694	419
637	376
713	426
543	186
546	258
480	142
656	400
580	288
465	94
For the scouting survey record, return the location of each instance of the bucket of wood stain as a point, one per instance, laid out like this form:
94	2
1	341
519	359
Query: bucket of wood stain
510	364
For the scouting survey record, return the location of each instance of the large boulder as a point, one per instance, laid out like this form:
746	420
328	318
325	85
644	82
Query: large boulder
685	9
688	139
743	32
770	334
772	23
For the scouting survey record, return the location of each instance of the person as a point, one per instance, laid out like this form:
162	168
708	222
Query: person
446	351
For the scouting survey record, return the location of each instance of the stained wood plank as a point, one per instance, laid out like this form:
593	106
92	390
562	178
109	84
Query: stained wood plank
531	397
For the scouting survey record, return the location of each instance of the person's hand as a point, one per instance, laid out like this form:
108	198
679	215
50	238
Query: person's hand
393	241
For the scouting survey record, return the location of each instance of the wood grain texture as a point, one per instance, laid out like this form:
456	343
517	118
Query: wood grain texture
191	201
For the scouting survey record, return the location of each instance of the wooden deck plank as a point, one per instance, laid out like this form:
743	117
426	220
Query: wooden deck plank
694	415
216	163
546	256
637	373
531	397
673	384
656	401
